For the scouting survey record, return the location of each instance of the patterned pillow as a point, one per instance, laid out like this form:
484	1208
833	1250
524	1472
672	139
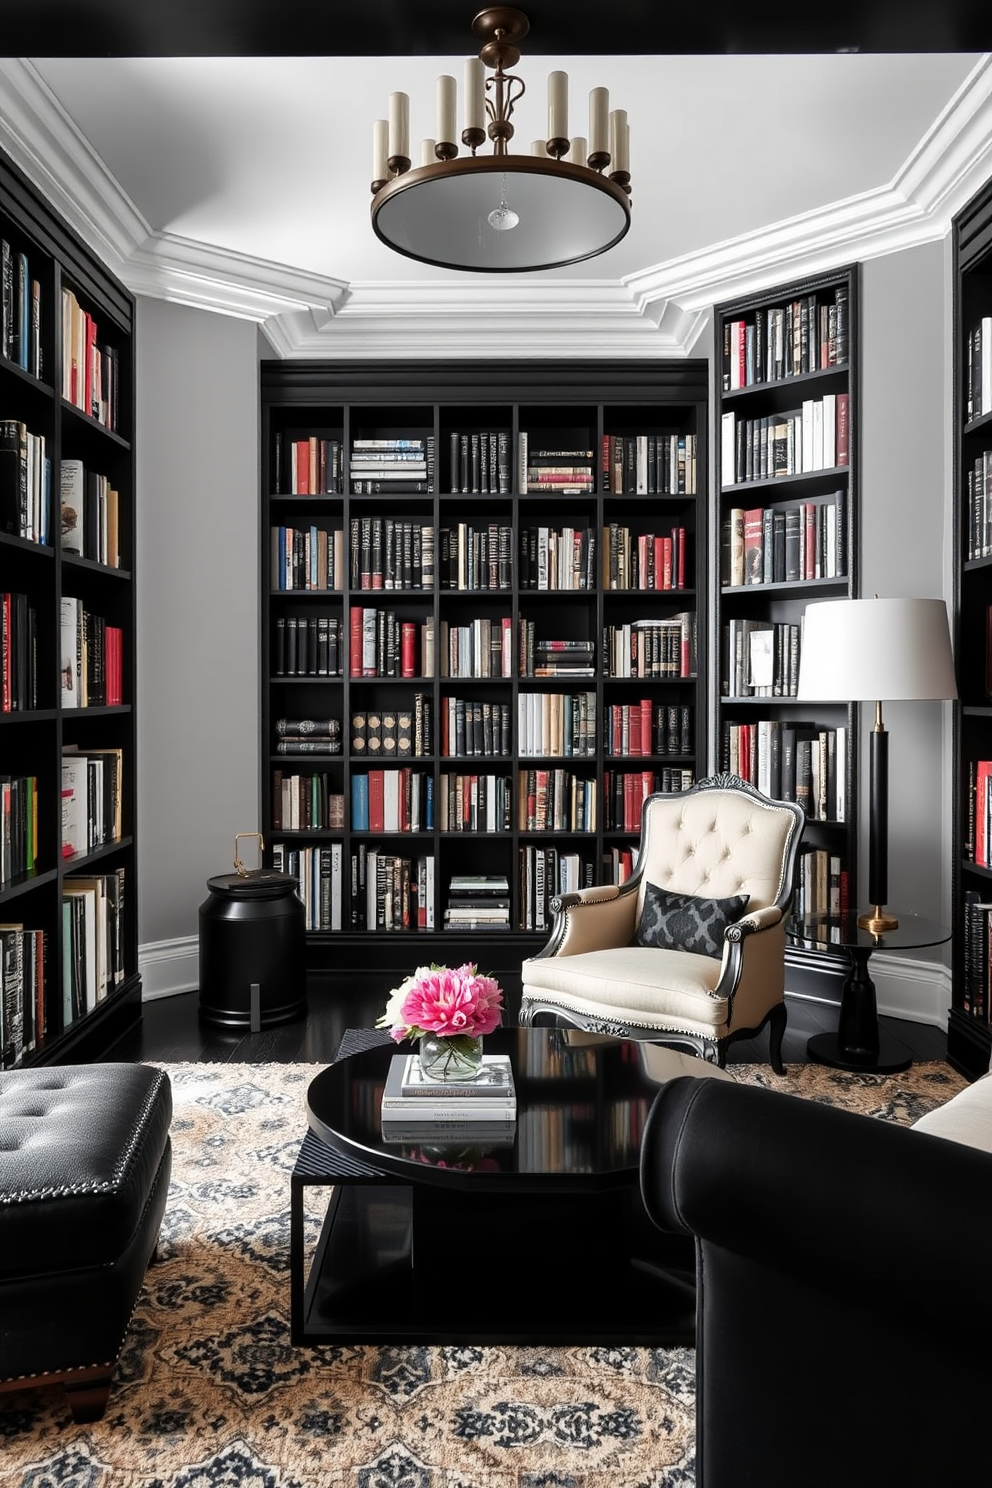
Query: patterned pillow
684	922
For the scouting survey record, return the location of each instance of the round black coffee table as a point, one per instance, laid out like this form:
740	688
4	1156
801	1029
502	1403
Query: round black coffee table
536	1235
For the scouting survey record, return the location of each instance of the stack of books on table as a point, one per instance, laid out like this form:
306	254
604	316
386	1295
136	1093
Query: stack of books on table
478	902
481	1112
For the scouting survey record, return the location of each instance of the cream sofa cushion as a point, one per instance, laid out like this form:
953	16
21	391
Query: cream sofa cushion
966	1117
639	984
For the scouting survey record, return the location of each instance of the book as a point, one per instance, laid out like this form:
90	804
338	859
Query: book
438	1132
406	1082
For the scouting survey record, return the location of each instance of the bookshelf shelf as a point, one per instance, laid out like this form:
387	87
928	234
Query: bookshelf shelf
969	1038
795	437
62	998
462	579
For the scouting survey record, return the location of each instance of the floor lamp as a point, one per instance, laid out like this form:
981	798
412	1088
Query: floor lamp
876	650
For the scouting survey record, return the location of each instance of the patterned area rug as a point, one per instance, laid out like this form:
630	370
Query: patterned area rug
210	1394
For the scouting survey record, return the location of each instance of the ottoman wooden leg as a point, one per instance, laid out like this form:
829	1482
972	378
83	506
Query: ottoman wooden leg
87	1398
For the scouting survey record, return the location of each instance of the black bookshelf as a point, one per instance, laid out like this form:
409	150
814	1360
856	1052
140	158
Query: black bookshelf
969	1040
784	533
62	307
554	406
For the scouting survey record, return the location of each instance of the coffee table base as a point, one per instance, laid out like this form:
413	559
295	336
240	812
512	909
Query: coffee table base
404	1264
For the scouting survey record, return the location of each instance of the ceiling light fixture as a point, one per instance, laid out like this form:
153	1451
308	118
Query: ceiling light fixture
566	201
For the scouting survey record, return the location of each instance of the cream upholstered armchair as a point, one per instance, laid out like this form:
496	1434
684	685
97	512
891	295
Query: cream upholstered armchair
691	948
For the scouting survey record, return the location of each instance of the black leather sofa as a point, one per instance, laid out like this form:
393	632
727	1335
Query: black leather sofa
85	1160
843	1298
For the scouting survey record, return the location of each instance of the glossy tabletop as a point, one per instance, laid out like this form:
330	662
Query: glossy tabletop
582	1101
824	932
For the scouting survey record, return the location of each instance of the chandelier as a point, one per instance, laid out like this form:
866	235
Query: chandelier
565	201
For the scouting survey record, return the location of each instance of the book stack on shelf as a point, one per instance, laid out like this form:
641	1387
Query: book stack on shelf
25	482
308	736
545	471
395	466
478	902
481	1112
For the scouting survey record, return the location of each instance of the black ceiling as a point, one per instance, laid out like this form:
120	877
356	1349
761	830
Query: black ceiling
191	28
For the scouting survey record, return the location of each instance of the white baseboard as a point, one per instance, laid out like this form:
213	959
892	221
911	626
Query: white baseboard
168	967
919	991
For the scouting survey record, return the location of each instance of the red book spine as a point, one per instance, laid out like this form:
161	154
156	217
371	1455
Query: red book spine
981	812
841	449
355	643
810	527
377	803
679	562
8	651
302	467
408	649
647	743
605	456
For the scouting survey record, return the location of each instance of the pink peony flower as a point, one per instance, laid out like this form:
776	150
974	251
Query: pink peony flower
448	1001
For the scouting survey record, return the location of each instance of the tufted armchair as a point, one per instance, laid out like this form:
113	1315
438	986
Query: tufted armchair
718	840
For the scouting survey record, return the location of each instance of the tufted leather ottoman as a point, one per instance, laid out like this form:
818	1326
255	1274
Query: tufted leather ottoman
85	1159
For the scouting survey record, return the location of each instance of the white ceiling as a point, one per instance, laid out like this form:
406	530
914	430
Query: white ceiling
246	178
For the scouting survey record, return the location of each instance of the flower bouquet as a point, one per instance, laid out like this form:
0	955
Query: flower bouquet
449	1009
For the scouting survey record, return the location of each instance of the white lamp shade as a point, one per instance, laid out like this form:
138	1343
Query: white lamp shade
876	650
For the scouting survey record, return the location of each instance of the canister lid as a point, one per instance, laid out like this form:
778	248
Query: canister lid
259	883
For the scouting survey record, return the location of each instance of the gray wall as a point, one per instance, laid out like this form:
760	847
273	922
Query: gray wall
197	575
905	533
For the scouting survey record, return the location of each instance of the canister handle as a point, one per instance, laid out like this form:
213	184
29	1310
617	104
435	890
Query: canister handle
242	871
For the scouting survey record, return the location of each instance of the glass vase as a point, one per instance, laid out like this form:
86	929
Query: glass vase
457	1057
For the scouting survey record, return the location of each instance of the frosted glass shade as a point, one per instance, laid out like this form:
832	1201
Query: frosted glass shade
440	213
876	650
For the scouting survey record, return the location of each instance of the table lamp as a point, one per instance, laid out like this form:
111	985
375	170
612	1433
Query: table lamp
876	650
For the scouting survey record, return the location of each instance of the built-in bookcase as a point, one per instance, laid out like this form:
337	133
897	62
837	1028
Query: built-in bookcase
969	1040
68	889
486	650
784	533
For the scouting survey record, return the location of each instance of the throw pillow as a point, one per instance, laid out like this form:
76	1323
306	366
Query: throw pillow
685	922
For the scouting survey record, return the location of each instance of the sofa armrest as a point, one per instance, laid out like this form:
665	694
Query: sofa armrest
852	1205
594	919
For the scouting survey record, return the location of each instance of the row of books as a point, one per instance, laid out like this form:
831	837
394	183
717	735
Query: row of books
391	464
479	462
90	370
554	657
385	733
625	791
305	802
92	799
389	553
474	803
643	560
546	468
315	465
18	653
977	962
648	728
802	440
649	464
391	892
308	735
760	658
785	544
557	558
400	800
92	669
90	509
652	649
544	873
791	761
307	558
471	729
25	482
481	647
978	507
93	948
978	813
556	800
478	558
978	369
18	826
382	645
319	872
557	723
23	992
806	335
308	646
822	886
20	324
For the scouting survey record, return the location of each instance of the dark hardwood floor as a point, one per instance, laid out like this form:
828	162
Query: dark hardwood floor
171	1032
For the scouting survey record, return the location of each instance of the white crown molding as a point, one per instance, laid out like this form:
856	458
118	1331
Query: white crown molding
661	311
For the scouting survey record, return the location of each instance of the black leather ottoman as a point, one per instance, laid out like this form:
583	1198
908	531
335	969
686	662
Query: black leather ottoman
85	1159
